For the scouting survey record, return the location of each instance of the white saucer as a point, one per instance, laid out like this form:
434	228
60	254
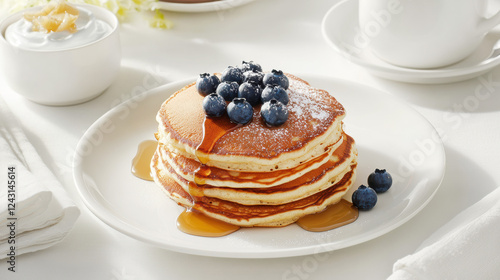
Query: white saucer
200	7
340	29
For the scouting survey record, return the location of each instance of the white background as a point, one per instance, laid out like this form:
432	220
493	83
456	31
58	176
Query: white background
282	34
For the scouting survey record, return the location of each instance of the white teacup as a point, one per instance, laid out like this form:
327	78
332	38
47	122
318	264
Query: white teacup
424	33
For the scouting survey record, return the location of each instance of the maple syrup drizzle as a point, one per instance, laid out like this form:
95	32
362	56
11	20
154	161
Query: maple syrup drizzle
199	224
193	222
142	160
213	130
334	216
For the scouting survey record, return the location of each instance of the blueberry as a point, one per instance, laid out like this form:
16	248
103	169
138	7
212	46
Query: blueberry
364	198
207	84
380	180
232	74
240	111
276	92
276	77
214	105
251	92
250	66
274	113
253	77
228	90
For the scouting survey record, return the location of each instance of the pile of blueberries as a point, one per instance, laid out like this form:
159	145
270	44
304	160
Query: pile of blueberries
241	88
365	197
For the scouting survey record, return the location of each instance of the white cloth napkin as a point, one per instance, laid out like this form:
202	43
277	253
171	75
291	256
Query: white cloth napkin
467	247
43	213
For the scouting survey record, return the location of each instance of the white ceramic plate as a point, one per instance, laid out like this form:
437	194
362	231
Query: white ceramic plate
389	134
341	31
200	7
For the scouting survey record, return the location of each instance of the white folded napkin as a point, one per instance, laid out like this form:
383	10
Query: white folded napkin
43	213
467	247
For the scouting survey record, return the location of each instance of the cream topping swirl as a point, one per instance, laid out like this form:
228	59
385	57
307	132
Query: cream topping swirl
88	29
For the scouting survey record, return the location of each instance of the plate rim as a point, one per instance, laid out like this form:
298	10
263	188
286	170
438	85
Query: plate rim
200	7
103	213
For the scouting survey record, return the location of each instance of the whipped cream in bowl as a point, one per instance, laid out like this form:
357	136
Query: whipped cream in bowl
88	29
60	55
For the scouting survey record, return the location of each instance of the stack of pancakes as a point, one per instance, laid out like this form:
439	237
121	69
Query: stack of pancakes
255	175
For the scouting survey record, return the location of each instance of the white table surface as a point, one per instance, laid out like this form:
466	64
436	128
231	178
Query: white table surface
282	34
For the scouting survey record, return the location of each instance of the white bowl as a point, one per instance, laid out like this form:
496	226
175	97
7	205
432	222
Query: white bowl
62	77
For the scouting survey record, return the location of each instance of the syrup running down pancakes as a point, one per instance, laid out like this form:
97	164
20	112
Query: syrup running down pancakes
255	175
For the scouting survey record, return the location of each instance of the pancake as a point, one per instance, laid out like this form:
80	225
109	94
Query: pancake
187	167
255	215
317	179
314	122
255	175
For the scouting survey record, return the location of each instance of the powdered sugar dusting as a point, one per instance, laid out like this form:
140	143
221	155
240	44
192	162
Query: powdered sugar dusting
311	112
305	100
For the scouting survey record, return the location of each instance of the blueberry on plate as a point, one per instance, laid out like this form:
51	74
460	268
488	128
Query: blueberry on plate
232	74
253	77
228	90
276	77
214	105
274	92
207	84
274	113
364	198
380	180
250	66
251	92
240	111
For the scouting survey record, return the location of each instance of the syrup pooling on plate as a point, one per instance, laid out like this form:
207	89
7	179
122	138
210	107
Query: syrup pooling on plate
199	224
334	216
192	222
189	221
142	160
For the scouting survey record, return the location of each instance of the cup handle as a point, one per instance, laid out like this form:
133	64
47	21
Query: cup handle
486	24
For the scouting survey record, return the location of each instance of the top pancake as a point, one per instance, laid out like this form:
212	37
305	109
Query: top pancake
314	123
